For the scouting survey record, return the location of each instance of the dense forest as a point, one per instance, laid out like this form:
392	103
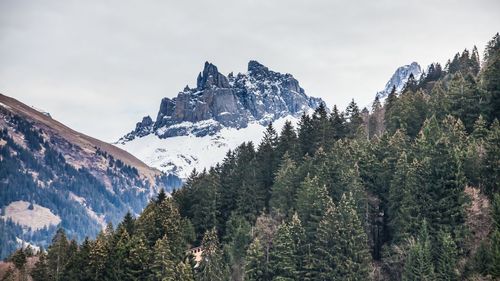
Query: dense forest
406	191
35	171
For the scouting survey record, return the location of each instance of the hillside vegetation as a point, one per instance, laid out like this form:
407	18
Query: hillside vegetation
396	193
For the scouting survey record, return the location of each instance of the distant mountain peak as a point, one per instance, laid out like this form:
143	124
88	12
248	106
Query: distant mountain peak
400	77
210	76
218	102
217	115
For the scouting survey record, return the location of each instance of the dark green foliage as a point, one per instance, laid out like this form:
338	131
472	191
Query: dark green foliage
255	267
312	204
312	200
491	165
212	266
163	265
418	265
354	256
283	255
447	258
490	76
283	192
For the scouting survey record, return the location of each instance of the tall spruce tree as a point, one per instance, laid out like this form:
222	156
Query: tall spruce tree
491	165
163	264
283	192
312	200
447	258
418	265
57	255
283	263
327	246
212	266
256	265
354	254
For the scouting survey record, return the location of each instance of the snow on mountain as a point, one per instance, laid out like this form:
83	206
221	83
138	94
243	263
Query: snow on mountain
44	112
179	155
399	79
197	128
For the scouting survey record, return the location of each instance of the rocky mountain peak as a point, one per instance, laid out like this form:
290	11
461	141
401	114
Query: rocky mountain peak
210	77
261	95
255	68
399	78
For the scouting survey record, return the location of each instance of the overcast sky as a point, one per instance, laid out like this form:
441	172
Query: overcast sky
99	66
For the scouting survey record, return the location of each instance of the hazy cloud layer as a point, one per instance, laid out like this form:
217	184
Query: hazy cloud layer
99	66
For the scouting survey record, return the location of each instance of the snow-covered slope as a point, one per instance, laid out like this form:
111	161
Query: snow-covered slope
179	155
399	79
198	127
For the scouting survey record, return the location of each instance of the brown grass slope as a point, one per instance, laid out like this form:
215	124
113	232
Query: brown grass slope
88	144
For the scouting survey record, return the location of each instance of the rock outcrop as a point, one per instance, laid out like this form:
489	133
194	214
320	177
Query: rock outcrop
219	101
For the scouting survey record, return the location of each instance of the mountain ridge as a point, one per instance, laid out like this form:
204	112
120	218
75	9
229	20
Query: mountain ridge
217	115
52	176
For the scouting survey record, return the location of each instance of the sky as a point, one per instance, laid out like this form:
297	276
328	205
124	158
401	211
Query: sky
100	66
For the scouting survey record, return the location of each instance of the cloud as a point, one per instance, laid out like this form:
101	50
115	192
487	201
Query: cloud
99	66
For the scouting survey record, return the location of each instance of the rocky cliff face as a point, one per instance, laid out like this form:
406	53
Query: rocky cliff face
399	79
232	101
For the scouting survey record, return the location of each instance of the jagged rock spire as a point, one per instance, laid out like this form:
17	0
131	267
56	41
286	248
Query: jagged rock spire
210	76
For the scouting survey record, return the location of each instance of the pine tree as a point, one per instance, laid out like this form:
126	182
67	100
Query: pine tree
323	132
354	255
306	135
57	255
298	237
375	123
403	208
99	253
73	268
163	264
491	166
490	76
41	270
212	266
137	262
255	267
327	256
236	241
283	191
418	265
184	272
268	161
312	200
353	115
466	100
161	196
287	142
390	116
338	124
283	264
441	179
447	258
121	252
18	258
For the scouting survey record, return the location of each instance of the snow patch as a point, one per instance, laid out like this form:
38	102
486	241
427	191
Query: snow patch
42	111
181	154
4	105
23	244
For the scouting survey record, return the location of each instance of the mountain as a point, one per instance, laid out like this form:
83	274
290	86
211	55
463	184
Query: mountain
399	79
197	128
52	176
